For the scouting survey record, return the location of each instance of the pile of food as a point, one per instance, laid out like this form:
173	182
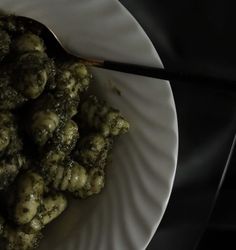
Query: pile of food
55	138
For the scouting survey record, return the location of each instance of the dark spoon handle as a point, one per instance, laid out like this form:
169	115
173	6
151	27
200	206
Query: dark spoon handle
175	77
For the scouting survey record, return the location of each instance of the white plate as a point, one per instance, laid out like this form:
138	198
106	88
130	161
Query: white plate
139	182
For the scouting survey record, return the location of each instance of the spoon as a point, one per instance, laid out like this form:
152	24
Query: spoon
176	77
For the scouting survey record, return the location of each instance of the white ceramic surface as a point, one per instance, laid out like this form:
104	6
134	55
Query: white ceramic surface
139	181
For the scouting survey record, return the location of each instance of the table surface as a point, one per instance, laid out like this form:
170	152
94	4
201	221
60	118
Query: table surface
195	36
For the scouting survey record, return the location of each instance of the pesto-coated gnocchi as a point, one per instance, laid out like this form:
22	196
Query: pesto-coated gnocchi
55	138
9	168
28	42
17	239
74	178
32	72
93	150
44	123
10	98
65	175
52	206
72	79
30	188
103	118
94	184
65	137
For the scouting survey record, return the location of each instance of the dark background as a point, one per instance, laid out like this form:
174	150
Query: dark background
197	36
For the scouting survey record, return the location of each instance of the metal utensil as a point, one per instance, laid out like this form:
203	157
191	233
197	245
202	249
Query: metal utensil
176	77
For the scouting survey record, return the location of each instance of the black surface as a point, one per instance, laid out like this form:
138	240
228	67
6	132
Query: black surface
221	227
199	36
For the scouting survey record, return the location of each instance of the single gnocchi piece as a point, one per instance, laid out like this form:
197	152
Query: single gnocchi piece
49	113
16	239
105	119
10	98
50	160
72	78
53	157
94	184
10	142
30	188
9	169
52	206
65	137
44	123
70	176
32	72
28	42
93	150
67	175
